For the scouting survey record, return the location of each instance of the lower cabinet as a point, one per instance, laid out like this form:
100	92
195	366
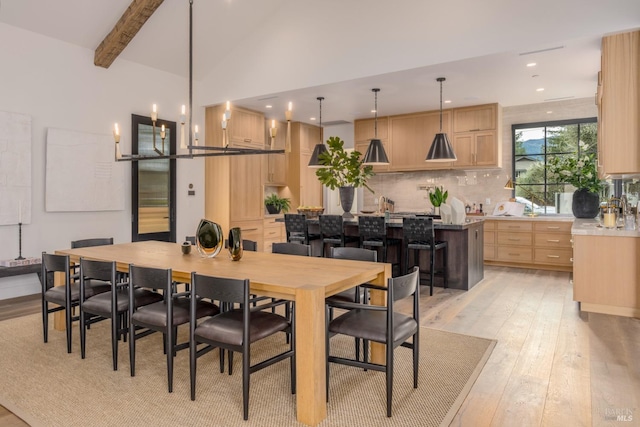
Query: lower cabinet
541	244
606	274
273	233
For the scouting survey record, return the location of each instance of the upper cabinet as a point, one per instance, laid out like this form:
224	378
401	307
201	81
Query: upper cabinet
275	165
245	129
303	186
474	133
476	118
618	99
411	137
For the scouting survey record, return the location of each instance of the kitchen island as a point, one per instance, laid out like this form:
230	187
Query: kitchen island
465	266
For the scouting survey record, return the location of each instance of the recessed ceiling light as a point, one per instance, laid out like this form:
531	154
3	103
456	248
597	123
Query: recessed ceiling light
540	89
549	112
448	101
312	118
531	64
268	106
373	111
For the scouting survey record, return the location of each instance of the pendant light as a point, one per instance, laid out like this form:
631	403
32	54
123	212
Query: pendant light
441	150
375	154
320	148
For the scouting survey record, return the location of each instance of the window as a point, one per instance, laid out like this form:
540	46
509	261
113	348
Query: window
534	144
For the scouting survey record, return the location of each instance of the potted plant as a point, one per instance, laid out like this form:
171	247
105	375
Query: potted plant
275	204
582	173
437	198
344	171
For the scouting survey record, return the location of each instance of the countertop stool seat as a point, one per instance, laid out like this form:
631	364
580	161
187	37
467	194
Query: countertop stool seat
420	236
332	232
297	230
373	235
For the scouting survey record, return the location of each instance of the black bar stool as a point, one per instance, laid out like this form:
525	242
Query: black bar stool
297	229
373	234
332	232
419	236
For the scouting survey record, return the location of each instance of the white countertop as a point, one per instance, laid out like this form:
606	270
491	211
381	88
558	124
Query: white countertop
591	227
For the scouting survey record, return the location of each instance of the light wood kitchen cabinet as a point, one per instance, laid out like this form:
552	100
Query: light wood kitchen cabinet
619	106
275	165
606	274
233	184
364	132
475	149
411	136
476	118
540	244
303	186
273	232
245	129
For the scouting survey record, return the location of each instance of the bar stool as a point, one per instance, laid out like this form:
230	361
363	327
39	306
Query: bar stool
419	236
332	232
297	230
373	234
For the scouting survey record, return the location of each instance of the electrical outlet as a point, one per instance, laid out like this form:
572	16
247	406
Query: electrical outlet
487	201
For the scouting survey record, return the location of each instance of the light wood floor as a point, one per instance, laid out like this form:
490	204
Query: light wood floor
552	365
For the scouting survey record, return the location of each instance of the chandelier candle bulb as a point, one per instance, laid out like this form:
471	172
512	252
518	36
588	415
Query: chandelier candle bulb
183	116
163	132
227	113
116	133
154	113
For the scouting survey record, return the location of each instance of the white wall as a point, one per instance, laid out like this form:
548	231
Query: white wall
58	86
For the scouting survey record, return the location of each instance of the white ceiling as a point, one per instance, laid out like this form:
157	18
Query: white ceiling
400	47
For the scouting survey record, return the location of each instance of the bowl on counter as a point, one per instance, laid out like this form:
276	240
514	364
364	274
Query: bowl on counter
311	213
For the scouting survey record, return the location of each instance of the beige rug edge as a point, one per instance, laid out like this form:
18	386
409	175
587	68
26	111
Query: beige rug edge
454	408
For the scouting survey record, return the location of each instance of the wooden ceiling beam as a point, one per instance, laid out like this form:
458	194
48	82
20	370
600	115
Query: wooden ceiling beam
124	31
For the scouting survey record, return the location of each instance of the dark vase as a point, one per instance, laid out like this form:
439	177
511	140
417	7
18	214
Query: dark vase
209	238
346	200
235	244
585	204
272	209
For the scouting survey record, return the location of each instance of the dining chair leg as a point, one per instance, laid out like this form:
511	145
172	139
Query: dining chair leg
45	319
169	350
115	328
222	360
83	335
132	348
231	362
416	356
245	383
389	377
67	314
193	349
446	266
432	264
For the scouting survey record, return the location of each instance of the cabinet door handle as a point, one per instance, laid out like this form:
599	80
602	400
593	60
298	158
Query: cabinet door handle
247	140
553	228
249	229
514	240
553	240
510	254
553	256
514	227
570	259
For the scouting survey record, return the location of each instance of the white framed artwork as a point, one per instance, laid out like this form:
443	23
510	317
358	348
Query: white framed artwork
15	168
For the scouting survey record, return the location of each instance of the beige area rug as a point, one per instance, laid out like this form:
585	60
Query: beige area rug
45	386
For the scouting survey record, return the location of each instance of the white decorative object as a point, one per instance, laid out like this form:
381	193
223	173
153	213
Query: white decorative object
445	213
458	215
81	174
15	168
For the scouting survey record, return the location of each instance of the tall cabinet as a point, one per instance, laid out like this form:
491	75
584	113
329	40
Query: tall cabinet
303	187
234	184
619	106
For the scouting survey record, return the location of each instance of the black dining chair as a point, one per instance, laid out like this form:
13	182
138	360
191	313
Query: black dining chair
112	305
332	232
382	325
419	236
235	330
163	316
66	296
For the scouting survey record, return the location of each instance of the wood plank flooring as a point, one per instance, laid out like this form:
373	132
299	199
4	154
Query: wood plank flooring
552	366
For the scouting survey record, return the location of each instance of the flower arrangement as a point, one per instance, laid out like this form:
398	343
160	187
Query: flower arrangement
580	172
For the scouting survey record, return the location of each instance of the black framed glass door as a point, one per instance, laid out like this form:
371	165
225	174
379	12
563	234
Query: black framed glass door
153	182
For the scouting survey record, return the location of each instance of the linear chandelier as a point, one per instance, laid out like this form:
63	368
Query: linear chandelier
209	151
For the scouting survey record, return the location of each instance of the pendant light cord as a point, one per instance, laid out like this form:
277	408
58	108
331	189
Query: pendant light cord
320	98
441	79
375	123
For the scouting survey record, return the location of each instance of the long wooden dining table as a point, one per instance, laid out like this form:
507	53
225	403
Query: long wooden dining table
305	280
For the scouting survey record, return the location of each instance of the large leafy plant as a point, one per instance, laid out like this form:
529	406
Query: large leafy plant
342	169
581	172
